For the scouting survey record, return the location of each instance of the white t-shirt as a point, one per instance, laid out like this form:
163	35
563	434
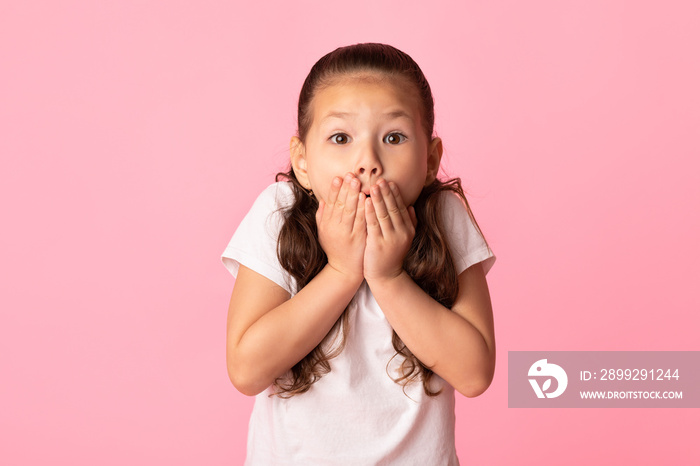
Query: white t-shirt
356	414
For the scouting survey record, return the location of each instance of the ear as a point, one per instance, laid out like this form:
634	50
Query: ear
297	153
434	157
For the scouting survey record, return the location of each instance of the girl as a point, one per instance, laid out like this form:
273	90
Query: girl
360	300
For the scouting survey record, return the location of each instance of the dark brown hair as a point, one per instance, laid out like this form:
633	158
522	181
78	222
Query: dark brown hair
428	262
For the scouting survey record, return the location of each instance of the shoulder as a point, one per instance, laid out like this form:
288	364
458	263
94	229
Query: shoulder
270	205
465	239
267	212
275	196
451	202
454	211
254	243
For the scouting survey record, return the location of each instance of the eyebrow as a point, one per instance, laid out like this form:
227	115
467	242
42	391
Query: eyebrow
389	115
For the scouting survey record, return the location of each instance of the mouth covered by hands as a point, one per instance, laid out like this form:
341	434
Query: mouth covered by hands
365	237
342	229
391	227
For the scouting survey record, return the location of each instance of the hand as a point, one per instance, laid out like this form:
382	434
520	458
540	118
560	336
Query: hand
342	231
390	230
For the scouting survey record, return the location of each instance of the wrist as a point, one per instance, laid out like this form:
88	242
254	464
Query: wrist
345	276
387	282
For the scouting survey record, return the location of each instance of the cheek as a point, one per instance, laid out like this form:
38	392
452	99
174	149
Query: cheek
321	183
413	182
321	172
321	195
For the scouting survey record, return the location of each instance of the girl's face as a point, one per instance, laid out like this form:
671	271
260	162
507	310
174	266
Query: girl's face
368	125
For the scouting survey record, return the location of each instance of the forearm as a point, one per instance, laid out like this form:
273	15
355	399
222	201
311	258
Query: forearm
440	338
283	336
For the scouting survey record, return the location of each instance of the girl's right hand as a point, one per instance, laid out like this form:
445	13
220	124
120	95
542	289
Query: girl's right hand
342	231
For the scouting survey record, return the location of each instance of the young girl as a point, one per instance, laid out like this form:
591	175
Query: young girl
360	300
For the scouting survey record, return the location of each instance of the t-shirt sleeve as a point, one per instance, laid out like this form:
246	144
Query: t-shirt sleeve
254	243
467	245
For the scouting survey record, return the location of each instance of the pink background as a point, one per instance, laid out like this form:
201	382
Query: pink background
135	135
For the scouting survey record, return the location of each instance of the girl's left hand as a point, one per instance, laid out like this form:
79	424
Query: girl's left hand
390	230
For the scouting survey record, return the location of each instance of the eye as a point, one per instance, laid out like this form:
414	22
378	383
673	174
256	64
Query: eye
339	138
394	138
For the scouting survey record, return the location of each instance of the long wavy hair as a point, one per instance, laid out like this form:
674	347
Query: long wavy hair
428	261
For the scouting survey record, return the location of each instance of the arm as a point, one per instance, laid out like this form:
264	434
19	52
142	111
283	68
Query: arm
267	332
457	344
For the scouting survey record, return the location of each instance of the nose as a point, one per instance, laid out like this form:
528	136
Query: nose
368	166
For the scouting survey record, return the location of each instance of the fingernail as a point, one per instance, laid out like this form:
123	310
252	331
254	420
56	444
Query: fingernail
375	190
348	178
355	183
336	181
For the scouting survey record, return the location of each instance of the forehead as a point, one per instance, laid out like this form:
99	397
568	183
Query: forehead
366	91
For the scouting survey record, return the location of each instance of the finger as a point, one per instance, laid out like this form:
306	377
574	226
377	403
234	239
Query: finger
333	196
373	228
351	201
392	207
360	223
340	201
403	211
380	209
